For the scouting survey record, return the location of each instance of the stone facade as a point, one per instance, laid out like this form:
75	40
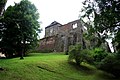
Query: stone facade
52	29
59	37
47	43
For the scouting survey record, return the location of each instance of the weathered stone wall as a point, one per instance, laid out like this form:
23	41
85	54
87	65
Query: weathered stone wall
52	29
59	37
72	33
47	44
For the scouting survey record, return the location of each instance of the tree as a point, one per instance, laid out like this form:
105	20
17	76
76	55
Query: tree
106	20
21	28
2	5
105	16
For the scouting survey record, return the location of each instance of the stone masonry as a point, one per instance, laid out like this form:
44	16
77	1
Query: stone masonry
59	37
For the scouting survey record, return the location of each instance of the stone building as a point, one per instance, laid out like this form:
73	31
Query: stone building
59	37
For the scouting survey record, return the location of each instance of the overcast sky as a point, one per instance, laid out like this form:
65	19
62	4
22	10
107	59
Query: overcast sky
62	11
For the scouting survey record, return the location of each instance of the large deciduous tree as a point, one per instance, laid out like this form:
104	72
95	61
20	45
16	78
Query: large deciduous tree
21	28
106	18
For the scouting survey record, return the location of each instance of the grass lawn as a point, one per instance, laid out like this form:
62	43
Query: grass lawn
38	66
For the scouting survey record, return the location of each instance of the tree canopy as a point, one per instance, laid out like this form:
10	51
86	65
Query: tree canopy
20	29
105	15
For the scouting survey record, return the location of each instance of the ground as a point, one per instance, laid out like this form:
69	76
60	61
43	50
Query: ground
48	66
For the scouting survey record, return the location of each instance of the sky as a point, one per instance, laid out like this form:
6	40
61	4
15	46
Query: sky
62	11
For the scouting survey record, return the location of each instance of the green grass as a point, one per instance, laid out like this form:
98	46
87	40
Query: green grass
38	66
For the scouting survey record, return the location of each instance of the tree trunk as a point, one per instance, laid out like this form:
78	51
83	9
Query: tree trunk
22	50
21	54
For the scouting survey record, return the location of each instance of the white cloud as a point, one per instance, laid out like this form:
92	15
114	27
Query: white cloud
62	11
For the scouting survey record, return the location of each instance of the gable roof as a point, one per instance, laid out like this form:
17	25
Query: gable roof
54	23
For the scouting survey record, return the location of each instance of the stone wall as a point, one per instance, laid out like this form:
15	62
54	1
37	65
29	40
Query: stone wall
52	29
59	37
47	43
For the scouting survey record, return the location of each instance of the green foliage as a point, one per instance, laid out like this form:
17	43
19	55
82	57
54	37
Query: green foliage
117	40
103	18
111	64
74	54
99	54
79	55
21	28
2	2
87	56
43	51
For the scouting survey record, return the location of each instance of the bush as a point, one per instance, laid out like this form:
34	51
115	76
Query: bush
41	51
87	56
79	55
111	64
74	54
99	54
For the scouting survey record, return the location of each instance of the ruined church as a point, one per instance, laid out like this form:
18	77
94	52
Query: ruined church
59	37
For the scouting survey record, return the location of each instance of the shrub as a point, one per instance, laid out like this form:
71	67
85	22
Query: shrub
99	54
41	51
111	64
87	56
74	54
79	55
